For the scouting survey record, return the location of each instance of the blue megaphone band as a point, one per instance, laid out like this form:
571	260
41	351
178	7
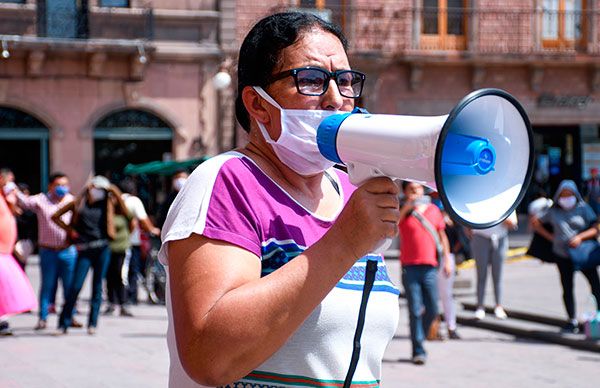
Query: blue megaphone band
327	134
467	155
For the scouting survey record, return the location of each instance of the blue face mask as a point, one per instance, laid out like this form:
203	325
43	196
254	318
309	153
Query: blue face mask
61	191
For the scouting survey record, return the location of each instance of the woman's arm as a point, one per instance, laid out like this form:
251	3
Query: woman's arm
539	228
587	234
56	217
406	209
228	320
447	265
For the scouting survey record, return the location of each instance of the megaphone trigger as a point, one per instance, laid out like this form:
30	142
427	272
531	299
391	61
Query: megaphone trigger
359	172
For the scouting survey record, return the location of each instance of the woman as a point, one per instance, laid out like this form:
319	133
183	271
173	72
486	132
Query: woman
265	245
91	228
490	248
16	293
119	253
573	221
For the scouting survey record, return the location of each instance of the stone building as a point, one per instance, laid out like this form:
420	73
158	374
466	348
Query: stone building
90	86
77	85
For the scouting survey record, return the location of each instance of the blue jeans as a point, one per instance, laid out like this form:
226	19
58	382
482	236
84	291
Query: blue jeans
55	265
98	259
420	285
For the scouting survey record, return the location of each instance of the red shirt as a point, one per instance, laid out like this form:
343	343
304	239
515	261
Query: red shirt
417	246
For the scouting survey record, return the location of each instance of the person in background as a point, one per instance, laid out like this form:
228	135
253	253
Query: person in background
573	221
591	190
119	253
140	221
27	231
423	246
16	293
490	248
446	281
178	179
267	247
57	254
91	228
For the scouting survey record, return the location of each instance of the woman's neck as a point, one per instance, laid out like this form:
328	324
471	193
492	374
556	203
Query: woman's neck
314	192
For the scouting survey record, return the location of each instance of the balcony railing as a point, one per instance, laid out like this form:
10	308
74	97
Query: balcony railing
393	30
143	22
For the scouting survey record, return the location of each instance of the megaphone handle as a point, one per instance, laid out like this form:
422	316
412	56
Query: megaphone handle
359	173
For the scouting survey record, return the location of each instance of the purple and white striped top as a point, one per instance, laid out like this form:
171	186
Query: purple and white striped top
230	198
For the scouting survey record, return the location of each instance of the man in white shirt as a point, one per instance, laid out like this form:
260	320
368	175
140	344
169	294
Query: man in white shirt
141	220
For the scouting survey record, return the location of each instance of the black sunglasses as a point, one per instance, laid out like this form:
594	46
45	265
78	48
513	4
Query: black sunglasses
314	81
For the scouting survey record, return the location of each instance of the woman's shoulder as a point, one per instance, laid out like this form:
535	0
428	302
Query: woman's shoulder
233	168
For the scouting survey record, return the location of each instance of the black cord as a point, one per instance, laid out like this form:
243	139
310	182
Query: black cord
369	280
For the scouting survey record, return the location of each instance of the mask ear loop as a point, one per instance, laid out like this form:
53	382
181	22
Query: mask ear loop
271	101
266	96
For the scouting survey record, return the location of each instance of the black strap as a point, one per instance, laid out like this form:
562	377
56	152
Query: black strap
333	182
369	280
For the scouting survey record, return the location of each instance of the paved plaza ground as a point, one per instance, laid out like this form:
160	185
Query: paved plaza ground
131	352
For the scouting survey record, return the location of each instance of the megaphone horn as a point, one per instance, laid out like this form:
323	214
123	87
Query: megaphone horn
479	157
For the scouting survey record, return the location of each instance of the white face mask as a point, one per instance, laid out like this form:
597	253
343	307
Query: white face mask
178	183
9	187
97	194
567	202
297	145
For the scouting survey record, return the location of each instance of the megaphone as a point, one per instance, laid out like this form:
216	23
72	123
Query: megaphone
479	157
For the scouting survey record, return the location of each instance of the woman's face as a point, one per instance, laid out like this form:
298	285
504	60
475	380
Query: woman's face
319	49
315	48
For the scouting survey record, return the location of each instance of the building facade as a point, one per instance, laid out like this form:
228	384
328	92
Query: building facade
422	56
89	86
93	85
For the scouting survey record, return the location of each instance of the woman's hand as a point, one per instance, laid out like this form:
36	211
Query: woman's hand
447	267
370	216
575	241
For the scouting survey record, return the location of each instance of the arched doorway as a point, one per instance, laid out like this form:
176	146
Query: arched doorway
133	136
24	147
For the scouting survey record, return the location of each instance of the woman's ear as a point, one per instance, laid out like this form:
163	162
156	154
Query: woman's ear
255	105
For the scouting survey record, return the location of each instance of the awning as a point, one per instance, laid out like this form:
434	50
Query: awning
163	168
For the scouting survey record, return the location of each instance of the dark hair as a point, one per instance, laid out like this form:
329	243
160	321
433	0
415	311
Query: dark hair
260	52
179	171
56	175
127	185
4	171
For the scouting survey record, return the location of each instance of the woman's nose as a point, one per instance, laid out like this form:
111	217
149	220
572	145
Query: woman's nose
332	99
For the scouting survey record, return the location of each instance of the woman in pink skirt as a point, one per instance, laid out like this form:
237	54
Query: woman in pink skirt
16	293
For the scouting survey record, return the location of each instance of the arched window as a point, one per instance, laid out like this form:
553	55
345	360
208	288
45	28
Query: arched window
133	136
24	147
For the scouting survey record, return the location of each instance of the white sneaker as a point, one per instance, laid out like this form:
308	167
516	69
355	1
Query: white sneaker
499	312
479	313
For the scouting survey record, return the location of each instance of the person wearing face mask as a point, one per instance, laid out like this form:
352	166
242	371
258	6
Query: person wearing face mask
178	179
57	254
573	221
90	229
16	293
267	247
